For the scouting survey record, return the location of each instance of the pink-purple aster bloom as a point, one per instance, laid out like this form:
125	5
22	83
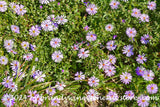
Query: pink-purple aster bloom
15	29
114	4
152	88
50	91
129	95
93	81
61	20
55	42
20	10
148	75
91	9
143	101
8	44
83	54
141	59
79	76
75	47
112	59
145	39
38	99
8	100
126	77
144	18
103	64
3	6
110	45
55	102
140	70
3	60
151	5
86	28
109	27
91	36
60	86
136	12
7	81
57	56
47	25
131	32
128	50
34	31
112	96
28	56
110	71
92	95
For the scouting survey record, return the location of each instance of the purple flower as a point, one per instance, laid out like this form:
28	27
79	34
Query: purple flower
8	100
123	21
109	27
61	19
145	39
112	96
32	95
141	59
110	45
55	42
55	102
126	77
75	47
3	60
3	6
112	59
57	56
131	32
47	25
34	31
7	81
25	45
158	65
129	95
50	91
140	70
92	95
79	76
93	81
83	54
103	64
38	99
60	86
148	75
151	5
91	9
128	50
144	18
114	37
143	101
32	47
15	28
91	36
152	88
136	13
41	7
20	10
114	4
28	56
86	28
8	44
15	65
110	71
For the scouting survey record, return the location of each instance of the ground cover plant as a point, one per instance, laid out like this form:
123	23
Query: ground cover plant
93	53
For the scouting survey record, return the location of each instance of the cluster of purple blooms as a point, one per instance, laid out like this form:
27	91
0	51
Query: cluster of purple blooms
108	65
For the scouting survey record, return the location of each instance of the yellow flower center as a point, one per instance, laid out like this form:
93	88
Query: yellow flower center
1	5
